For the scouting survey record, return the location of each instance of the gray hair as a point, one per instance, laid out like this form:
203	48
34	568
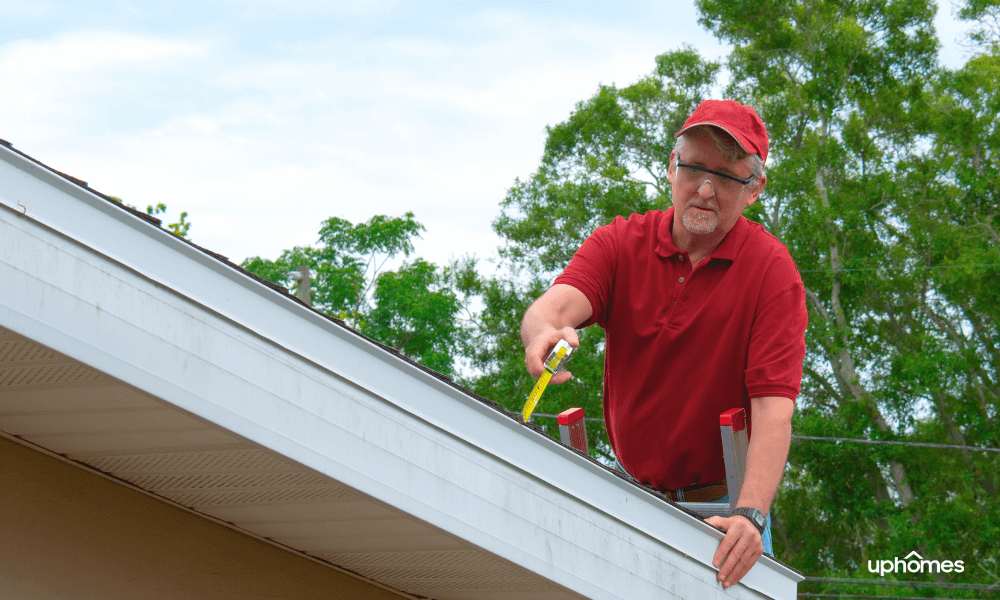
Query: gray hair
728	146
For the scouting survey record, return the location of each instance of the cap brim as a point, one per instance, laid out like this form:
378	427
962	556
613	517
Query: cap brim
741	141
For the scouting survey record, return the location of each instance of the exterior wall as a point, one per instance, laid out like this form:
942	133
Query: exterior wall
69	534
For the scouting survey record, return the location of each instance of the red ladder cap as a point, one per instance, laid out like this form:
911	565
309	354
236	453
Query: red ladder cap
571	415
733	417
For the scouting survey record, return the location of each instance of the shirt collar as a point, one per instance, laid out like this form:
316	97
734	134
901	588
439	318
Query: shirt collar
733	241
727	250
665	245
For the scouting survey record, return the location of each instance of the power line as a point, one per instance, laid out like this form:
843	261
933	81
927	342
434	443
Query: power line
914	584
897	269
888	443
557	416
808	595
839	439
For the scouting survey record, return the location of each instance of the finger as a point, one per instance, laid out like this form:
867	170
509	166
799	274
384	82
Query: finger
539	349
560	377
533	364
725	546
737	528
737	549
534	358
718	522
569	334
742	558
746	562
742	566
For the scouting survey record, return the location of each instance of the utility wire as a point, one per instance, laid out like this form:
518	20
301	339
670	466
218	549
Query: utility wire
898	269
557	416
914	584
807	595
839	439
920	444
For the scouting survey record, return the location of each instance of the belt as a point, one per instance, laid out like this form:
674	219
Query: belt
698	492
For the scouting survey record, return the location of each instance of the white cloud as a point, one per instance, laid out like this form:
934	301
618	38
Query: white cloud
76	53
266	8
950	33
54	87
33	9
261	143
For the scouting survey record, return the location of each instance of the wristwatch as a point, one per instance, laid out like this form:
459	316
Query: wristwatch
756	516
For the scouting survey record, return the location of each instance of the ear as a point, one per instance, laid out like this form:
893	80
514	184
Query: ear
672	168
755	192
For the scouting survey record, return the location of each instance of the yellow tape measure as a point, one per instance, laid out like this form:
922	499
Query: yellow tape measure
553	364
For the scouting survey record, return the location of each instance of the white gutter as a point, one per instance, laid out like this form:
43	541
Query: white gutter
100	285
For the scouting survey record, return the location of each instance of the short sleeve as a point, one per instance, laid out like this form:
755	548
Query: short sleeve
777	338
592	270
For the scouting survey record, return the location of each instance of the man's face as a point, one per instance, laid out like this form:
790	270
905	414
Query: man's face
706	204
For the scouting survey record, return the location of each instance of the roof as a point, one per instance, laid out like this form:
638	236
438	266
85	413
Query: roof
134	353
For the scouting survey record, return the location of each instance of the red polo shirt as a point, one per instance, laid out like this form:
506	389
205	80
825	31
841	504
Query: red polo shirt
683	345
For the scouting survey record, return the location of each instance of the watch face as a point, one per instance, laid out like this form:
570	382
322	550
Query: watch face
756	516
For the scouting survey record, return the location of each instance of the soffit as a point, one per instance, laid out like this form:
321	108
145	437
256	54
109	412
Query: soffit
52	402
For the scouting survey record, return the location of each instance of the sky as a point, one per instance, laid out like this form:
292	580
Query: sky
263	118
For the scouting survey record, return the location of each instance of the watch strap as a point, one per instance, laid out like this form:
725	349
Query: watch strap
755	515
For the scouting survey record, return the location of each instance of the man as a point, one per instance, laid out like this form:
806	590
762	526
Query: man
703	311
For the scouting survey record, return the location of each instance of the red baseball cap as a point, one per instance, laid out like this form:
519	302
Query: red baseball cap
739	121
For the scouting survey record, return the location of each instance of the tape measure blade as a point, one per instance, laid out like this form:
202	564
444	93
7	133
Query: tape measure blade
535	395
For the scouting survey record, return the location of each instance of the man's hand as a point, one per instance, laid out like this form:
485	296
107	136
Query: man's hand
540	347
550	319
740	549
772	434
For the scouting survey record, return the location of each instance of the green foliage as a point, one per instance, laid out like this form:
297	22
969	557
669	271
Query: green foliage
881	187
496	356
884	182
415	314
608	159
180	228
413	309
985	17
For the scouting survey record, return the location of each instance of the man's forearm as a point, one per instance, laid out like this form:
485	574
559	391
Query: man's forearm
560	307
768	452
551	318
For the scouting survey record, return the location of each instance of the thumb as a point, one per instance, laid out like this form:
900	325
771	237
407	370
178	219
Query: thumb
560	377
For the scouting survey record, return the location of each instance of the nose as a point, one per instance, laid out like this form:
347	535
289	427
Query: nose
710	192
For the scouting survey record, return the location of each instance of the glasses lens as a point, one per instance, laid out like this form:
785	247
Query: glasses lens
722	185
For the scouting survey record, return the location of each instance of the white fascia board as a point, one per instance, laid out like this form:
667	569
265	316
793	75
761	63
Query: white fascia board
102	286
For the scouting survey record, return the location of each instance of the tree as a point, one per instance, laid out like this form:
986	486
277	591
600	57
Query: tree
883	182
412	309
180	228
848	92
496	357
